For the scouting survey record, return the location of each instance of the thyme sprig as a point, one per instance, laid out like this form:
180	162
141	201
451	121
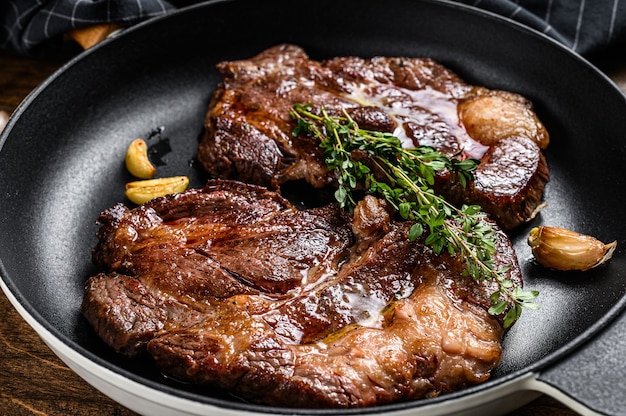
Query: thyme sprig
360	157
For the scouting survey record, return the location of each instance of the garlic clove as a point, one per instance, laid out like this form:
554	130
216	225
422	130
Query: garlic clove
144	191
137	161
562	249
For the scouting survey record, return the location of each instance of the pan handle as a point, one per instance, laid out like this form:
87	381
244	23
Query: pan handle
592	379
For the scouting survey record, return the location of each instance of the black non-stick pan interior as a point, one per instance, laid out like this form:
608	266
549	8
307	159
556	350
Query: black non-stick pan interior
62	154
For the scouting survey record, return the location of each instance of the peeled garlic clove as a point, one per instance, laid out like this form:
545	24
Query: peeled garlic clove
562	249
144	191
137	161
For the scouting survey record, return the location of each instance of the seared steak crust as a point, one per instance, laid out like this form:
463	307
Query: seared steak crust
232	286
248	130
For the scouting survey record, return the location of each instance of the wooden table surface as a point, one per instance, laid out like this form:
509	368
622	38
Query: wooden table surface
33	381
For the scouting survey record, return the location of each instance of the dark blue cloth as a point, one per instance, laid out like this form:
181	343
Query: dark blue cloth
586	26
29	25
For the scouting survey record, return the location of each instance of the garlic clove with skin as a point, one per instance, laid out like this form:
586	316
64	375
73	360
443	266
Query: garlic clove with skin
562	249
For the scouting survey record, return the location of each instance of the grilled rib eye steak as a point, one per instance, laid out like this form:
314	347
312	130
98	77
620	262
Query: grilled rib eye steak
248	130
232	286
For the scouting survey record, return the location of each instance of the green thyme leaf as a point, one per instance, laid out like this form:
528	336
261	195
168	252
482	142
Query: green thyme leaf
408	175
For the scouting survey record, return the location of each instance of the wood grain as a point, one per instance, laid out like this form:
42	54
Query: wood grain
33	381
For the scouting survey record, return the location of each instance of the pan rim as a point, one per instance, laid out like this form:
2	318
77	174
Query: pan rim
51	336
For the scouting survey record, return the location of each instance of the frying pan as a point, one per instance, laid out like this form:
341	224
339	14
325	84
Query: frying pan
61	163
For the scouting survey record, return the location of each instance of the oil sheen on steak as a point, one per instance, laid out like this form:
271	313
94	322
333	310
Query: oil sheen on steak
248	130
232	287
